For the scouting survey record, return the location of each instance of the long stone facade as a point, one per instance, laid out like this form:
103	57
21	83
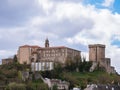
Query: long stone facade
57	54
97	55
27	54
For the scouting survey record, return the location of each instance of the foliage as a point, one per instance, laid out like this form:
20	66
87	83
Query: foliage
10	73
30	86
56	73
70	64
19	75
58	68
55	87
83	78
16	66
42	86
77	63
99	68
2	77
15	86
15	59
47	74
79	78
85	65
36	86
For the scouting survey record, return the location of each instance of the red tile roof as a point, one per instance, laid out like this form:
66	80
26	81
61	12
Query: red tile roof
25	46
34	46
56	47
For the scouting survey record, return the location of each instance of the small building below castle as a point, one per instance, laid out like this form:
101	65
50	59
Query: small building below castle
61	85
42	66
7	60
102	87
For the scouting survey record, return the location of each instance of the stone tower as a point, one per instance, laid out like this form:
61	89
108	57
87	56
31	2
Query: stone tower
97	56
46	42
96	52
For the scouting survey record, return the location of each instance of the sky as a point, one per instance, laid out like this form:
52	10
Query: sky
71	23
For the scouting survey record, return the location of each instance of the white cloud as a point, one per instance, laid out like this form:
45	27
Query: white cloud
108	3
73	22
4	53
106	26
112	51
85	55
47	5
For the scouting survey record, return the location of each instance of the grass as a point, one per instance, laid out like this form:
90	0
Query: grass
84	78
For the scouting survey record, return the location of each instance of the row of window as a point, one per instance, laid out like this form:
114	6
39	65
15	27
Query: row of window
52	51
53	55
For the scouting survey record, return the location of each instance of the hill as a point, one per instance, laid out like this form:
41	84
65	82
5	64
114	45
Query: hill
12	78
11	75
81	79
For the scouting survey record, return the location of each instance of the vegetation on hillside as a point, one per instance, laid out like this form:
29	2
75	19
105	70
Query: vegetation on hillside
78	75
75	72
11	78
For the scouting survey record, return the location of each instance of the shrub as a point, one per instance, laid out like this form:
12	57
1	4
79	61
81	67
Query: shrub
15	86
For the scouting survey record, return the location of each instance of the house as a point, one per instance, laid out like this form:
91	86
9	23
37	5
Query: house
75	88
7	61
102	87
61	85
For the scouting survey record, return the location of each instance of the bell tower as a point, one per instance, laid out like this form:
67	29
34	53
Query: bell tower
46	42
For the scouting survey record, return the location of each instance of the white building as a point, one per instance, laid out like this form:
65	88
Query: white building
42	66
75	88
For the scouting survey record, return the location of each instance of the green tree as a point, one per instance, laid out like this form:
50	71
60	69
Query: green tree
58	69
30	86
70	64
55	87
15	58
20	75
15	86
84	66
87	66
77	61
42	86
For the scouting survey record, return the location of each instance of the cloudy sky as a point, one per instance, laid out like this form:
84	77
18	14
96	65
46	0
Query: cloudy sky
72	23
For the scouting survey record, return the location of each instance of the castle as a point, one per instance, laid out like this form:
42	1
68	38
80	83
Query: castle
46	55
27	54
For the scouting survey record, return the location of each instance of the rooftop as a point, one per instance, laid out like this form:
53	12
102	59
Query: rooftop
96	45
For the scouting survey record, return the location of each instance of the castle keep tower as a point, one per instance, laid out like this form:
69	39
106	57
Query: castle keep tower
96	52
97	55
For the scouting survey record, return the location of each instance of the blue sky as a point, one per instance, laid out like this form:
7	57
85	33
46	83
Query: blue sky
114	7
72	23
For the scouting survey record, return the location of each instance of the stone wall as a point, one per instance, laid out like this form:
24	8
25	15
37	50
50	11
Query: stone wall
97	54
